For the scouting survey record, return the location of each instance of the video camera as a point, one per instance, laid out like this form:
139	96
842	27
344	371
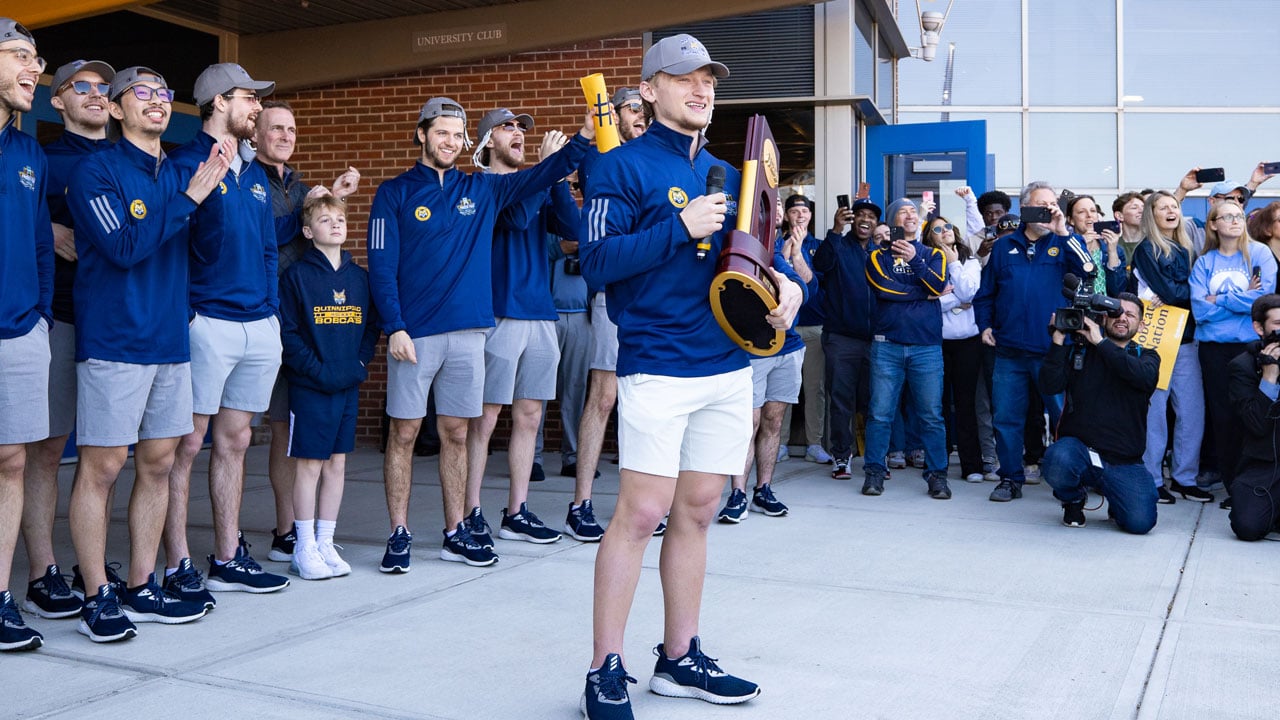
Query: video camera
1268	339
1084	303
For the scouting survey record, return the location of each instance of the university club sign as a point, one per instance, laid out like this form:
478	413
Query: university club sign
453	38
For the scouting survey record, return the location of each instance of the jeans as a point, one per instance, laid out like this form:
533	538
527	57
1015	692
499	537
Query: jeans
1012	382
1187	394
920	367
1131	496
1255	501
848	385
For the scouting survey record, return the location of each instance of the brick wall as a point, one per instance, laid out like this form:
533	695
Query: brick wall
368	124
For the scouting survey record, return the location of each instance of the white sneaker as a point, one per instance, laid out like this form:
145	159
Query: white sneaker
897	460
784	453
974	477
816	454
329	554
308	564
1031	474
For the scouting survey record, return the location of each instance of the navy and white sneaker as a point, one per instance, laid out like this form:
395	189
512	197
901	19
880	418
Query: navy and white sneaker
697	676
461	547
14	633
396	558
606	695
479	527
735	508
243	574
49	596
187	583
102	620
763	501
151	603
116	582
581	523
526	526
662	527
282	545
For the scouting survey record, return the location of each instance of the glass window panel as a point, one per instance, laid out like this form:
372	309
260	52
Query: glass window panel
864	58
1071	53
884	81
1073	150
1004	140
1156	153
988	57
1195	53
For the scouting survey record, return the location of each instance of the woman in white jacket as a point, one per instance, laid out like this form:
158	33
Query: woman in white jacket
961	347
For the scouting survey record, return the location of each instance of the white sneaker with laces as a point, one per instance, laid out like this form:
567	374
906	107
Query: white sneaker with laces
308	564
329	553
1031	475
816	454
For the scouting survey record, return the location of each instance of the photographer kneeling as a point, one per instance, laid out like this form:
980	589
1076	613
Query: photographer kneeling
1253	390
1108	382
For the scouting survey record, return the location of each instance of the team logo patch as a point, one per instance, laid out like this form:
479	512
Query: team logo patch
1053	252
677	197
138	209
730	205
340	297
222	188
259	192
27	177
466	206
423	213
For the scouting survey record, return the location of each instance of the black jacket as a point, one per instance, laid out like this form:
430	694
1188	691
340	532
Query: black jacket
1258	413
1106	400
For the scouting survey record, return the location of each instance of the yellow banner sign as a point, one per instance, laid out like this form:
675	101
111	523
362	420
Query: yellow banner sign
1162	332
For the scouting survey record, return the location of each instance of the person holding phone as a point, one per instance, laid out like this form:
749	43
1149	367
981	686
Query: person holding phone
1104	247
1233	272
1162	275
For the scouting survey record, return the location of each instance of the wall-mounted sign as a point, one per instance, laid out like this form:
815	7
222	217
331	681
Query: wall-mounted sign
429	41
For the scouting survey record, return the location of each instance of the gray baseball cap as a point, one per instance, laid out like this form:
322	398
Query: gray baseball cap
222	78
679	55
66	72
625	95
494	118
11	29
124	80
441	107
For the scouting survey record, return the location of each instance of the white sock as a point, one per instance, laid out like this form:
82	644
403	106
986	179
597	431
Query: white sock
324	530
306	530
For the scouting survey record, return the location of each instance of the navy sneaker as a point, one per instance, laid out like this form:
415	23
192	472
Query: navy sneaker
581	523
1006	491
116	582
186	583
14	633
606	695
282	545
479	527
151	603
697	676
102	620
873	482
763	501
463	548
243	574
662	528
735	508
526	526
396	558
49	596
536	473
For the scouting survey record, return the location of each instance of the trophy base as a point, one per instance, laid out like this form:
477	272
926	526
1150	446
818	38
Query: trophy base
741	303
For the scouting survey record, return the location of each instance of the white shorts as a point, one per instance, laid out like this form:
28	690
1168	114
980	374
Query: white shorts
671	424
776	378
456	359
122	403
62	379
520	361
24	386
604	337
234	364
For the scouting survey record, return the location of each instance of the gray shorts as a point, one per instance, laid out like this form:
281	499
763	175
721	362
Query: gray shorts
122	403
62	379
456	359
24	386
520	361
278	412
604	337
776	378
233	364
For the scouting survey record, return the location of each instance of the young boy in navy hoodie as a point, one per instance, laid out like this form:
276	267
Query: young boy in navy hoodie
328	338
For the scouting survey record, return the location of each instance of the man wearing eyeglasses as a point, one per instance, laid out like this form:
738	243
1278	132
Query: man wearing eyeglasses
80	90
437	223
132	347
26	276
235	333
1233	190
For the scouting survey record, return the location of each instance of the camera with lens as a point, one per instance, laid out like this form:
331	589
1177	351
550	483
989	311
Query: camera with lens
572	266
1084	303
1268	339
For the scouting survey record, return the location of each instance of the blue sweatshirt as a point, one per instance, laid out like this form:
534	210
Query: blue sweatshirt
1228	320
131	237
792	340
1168	277
1020	293
233	240
849	302
430	242
812	312
26	237
907	312
521	274
64	155
326	323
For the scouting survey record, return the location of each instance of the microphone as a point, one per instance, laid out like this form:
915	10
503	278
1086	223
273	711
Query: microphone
1070	283
715	184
